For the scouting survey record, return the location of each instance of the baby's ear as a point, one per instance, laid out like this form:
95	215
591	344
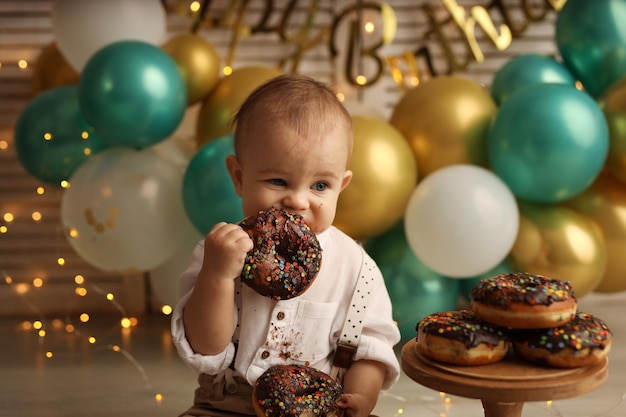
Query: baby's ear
236	174
347	177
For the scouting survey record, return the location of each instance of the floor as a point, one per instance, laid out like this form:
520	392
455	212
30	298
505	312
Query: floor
136	372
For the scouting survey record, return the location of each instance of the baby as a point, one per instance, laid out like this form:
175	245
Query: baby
293	141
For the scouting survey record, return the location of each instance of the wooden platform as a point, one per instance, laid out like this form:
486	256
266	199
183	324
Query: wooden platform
503	387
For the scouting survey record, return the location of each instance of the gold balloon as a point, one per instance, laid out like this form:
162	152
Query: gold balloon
198	62
384	176
219	107
446	121
605	203
560	243
52	70
613	103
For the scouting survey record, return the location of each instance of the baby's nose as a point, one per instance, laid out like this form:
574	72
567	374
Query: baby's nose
296	201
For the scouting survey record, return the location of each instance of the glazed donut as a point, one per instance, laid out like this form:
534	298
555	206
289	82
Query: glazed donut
286	256
296	390
460	338
584	341
523	301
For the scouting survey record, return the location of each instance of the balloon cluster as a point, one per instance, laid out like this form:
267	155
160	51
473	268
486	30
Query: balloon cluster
527	176
113	93
459	183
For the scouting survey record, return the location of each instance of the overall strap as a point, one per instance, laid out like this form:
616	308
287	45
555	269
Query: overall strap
351	332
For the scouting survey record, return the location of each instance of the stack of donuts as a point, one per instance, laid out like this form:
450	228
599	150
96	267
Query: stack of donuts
535	317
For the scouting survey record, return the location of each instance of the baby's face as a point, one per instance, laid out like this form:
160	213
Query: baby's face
301	175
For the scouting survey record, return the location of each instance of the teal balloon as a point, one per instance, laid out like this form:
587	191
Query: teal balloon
208	193
132	93
591	39
548	142
52	138
467	284
415	290
526	70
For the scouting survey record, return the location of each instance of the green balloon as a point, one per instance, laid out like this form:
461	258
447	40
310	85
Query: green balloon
208	192
414	289
132	93
52	138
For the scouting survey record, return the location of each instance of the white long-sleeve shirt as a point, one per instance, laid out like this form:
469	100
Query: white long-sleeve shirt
300	330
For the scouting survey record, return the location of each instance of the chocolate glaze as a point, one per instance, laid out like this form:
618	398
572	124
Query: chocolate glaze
288	390
584	331
520	287
463	326
286	257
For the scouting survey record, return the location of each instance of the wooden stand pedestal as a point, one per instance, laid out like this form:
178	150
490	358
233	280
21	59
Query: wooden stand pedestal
503	387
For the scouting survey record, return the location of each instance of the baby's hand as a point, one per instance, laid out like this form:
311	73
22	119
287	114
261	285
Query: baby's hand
225	249
355	405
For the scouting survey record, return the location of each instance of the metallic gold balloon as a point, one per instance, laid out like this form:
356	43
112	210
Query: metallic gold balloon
219	107
605	203
52	70
384	176
613	103
446	121
198	62
560	243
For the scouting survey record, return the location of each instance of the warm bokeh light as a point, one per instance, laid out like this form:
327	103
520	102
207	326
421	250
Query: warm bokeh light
36	216
81	291
79	279
8	217
22	63
92	339
42	333
166	309
110	297
40	190
227	70
158	398
49	354
4	145
125	322
37	282
84	317
70	328
37	325
65	184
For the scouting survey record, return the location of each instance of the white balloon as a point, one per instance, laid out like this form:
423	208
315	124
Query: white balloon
82	27
123	210
461	221
164	278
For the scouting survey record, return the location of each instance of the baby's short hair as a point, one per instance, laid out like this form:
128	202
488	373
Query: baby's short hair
297	102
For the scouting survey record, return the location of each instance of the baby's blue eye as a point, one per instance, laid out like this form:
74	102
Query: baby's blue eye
278	181
320	186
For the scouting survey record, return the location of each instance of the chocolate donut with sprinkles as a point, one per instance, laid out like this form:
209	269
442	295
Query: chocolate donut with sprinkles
584	341
461	338
296	390
523	301
286	256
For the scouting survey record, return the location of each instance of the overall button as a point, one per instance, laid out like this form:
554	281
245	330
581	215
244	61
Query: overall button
280	315
265	354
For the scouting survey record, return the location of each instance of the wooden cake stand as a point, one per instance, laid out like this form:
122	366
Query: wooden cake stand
504	386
